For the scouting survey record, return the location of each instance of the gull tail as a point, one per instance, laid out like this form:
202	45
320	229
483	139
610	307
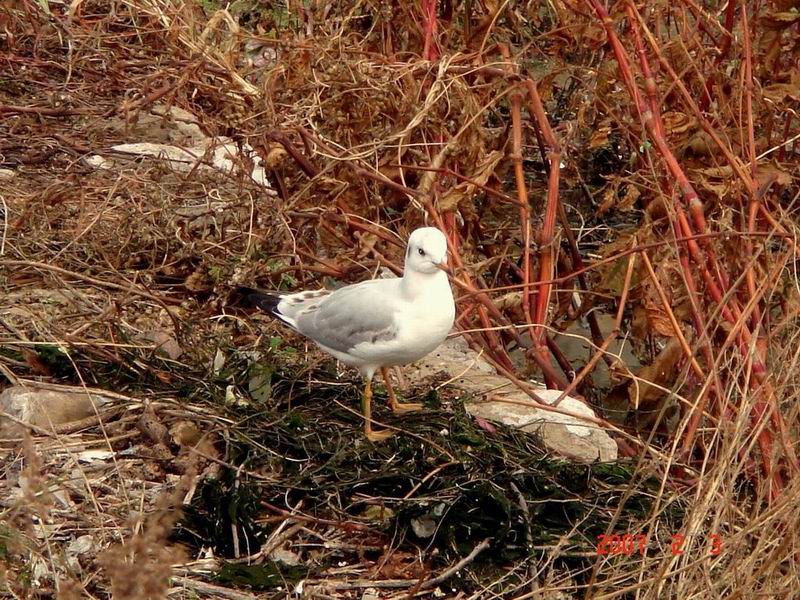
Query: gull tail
266	301
269	302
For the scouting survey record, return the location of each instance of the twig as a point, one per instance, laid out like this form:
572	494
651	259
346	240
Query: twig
202	587
458	566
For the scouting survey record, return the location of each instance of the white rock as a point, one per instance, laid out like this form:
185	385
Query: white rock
50	406
223	154
565	431
90	456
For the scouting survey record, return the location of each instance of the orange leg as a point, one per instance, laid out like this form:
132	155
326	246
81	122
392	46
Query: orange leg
398	407
373	436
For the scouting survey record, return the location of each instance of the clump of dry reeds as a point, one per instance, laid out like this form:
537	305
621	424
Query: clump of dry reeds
141	566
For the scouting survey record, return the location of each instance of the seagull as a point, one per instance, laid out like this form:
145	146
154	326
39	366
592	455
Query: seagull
377	323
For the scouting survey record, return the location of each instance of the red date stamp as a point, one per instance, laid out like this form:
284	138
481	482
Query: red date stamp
629	544
713	541
616	545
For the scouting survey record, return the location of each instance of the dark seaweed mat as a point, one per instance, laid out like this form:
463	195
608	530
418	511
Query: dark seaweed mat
317	454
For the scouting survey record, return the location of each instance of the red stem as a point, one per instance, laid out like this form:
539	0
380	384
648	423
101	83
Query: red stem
429	52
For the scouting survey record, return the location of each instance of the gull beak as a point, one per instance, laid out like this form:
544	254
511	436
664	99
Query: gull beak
444	266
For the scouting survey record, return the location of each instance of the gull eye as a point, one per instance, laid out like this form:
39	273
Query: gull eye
421	252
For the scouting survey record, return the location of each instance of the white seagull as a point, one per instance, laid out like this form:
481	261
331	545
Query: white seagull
378	323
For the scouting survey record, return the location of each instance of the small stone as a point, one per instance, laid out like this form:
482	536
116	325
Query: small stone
423	527
84	544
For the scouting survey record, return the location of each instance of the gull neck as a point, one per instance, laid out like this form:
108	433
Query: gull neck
414	283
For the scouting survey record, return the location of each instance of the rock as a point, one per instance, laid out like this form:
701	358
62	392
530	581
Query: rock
575	342
565	431
423	527
95	456
84	544
165	343
222	154
174	135
562	433
286	557
48	407
81	547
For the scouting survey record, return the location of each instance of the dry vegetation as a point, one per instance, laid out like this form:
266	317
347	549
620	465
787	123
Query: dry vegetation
636	167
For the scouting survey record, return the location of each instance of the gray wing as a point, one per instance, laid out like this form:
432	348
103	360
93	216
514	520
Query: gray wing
352	315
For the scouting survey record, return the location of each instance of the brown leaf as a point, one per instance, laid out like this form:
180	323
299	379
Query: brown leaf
715	180
782	92
661	372
451	200
640	326
594	36
657	319
677	123
657	208
276	155
781	19
632	194
401	565
700	144
609	197
600	136
771	171
36	364
198	282
612	275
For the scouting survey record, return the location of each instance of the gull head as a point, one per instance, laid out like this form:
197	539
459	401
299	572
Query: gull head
427	250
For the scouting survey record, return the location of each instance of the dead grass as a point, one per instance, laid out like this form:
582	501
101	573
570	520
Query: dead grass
368	123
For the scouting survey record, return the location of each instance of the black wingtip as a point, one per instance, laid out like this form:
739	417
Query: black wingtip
250	297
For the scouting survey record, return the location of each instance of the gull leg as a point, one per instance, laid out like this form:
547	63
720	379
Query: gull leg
373	436
397	407
401	380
